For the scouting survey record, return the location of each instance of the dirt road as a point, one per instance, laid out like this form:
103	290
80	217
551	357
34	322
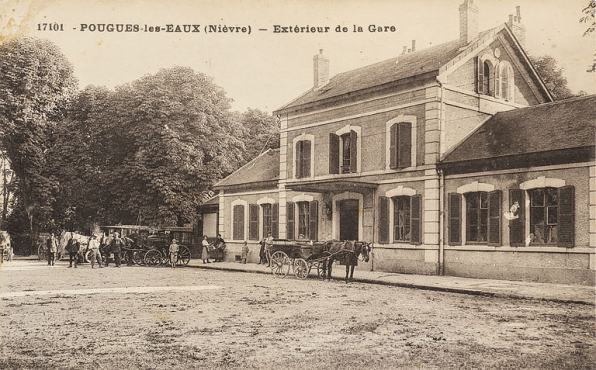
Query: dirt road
158	318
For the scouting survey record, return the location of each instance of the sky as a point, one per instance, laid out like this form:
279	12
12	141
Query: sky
264	69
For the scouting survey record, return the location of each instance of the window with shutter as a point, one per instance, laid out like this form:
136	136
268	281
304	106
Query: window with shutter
306	158
393	146
290	220
333	154
416	218
494	217
454	223
566	216
479	75
299	159
303	219
267	219
353	152
275	220
346	146
253	221
383	220
517	230
314	220
401	145
401	219
544	215
238	222
476	217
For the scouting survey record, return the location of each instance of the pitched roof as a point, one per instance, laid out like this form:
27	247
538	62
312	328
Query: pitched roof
420	62
565	124
262	169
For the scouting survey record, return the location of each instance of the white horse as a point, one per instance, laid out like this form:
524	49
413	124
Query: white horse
82	239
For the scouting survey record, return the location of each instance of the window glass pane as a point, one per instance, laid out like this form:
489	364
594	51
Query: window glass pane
472	201
472	216
537	197
484	217
551	197
472	234
484	200
537	215
401	218
482	234
552	215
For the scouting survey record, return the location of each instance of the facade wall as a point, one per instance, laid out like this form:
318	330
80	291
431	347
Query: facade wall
546	263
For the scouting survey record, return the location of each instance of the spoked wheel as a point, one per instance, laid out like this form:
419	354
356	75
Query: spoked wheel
152	258
88	256
280	264
301	268
183	256
128	258
137	258
41	253
321	269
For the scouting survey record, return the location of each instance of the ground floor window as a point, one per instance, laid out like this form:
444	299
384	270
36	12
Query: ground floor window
238	222
303	219
401	219
544	215
477	217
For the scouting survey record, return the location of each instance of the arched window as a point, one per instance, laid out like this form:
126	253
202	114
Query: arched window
504	81
486	81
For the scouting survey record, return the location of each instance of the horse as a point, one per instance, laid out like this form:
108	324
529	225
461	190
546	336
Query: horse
82	239
348	252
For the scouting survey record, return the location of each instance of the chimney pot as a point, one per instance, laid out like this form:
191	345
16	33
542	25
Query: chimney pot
413	45
518	29
405	50
468	21
320	69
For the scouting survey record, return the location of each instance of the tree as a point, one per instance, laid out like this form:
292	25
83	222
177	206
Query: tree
552	75
263	132
36	84
590	18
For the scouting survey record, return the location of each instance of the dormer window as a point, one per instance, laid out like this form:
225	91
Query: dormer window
494	78
504	77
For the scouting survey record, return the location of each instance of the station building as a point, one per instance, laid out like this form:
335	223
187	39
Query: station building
451	160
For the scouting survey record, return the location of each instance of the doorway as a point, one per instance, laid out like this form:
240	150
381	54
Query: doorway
348	219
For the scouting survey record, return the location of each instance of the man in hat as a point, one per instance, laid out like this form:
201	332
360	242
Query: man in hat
174	248
94	248
116	247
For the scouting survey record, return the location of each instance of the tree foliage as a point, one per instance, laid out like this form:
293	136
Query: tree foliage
552	75
589	18
36	85
262	132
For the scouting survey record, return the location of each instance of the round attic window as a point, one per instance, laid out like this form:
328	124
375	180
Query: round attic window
497	52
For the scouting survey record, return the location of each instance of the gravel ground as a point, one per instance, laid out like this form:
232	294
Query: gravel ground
156	318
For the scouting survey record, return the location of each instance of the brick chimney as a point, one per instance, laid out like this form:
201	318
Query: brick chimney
516	26
468	21
320	69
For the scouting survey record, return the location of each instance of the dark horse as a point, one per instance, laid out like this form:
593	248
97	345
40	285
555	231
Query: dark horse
346	251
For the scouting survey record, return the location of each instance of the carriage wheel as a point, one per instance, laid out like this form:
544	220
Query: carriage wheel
137	258
152	258
128	258
165	259
301	268
183	256
321	270
41	253
280	264
88	256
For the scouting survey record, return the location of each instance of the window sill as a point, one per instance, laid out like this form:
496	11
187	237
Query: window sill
404	246
530	249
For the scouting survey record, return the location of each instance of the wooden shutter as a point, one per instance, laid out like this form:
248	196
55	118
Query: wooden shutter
404	155
479	75
454	224
333	154
275	220
566	216
383	220
299	158
415	219
353	152
290	220
393	146
494	217
517	227
306	160
238	223
253	222
314	220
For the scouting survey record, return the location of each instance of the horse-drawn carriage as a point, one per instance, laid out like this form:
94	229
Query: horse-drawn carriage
302	256
158	253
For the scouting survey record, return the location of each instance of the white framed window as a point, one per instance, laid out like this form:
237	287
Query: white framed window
304	152
504	84
344	150
239	219
400	142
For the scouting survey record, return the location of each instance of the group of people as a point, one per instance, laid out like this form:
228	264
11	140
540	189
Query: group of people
213	250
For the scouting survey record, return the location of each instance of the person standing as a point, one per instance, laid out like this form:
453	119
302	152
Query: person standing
72	248
52	246
262	257
205	250
220	245
268	246
244	252
116	247
174	248
95	253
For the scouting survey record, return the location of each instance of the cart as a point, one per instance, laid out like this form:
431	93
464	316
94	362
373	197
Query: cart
299	256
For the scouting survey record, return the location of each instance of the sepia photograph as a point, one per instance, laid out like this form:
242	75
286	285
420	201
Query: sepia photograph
297	184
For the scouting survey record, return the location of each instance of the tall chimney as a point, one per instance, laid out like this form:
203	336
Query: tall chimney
516	26
468	22
320	69
413	45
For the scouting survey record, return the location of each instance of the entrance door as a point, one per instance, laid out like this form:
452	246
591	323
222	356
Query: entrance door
348	219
